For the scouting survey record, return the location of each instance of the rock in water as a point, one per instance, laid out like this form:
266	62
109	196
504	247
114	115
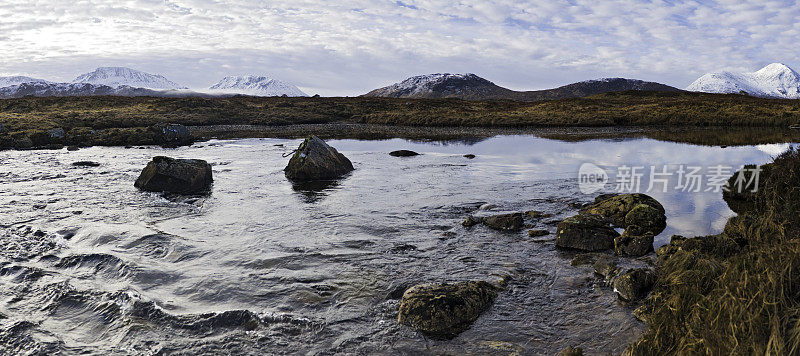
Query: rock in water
616	208
403	153
634	242
586	233
505	222
181	176
315	160
443	311
634	284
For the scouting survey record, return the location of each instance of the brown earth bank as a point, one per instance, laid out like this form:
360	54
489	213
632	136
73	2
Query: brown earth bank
107	120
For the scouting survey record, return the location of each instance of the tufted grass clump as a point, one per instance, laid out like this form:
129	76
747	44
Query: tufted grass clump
738	292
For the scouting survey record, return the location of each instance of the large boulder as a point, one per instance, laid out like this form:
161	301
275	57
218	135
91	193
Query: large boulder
616	207
586	233
634	284
442	311
316	160
181	176
647	218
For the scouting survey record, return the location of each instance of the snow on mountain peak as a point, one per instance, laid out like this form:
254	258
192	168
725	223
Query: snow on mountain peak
18	79
775	80
255	85
120	76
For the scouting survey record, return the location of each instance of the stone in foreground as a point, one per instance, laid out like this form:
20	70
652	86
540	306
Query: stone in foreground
615	208
443	311
585	233
634	284
180	176
316	160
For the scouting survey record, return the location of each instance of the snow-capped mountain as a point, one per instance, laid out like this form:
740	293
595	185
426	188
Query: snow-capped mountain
256	86
472	87
437	85
15	80
776	80
78	89
120	76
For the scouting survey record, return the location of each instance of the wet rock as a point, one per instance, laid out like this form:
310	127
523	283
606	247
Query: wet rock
605	266
86	164
583	259
403	153
72	148
172	135
633	243
571	351
487	206
471	221
538	233
586	233
647	218
634	284
443	311
316	160
469	156
616	208
504	222
180	176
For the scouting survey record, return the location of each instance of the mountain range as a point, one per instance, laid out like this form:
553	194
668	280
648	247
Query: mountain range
776	80
123	81
773	81
472	87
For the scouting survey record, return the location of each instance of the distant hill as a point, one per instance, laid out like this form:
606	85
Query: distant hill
255	86
776	80
472	87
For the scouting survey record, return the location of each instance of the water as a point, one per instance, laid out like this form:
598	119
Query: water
89	264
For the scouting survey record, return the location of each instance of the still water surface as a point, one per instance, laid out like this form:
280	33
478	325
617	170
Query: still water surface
90	264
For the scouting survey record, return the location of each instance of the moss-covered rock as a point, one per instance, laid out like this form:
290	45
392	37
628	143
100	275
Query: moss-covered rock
586	233
634	284
444	310
633	243
616	208
646	217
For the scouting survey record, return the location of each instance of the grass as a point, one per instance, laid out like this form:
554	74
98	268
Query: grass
24	117
737	292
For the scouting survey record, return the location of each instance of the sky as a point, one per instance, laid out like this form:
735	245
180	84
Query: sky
349	47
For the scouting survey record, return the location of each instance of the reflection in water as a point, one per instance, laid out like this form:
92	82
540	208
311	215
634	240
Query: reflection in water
315	190
253	269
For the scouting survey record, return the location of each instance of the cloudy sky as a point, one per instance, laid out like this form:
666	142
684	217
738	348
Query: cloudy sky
348	47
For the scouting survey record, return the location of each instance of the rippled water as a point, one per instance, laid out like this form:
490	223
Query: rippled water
91	265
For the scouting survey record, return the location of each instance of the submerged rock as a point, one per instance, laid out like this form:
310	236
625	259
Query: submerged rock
471	221
316	160
443	311
469	156
605	266
634	284
181	176
403	153
504	222
586	233
85	164
538	233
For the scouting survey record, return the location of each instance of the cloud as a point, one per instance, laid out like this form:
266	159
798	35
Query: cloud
351	46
